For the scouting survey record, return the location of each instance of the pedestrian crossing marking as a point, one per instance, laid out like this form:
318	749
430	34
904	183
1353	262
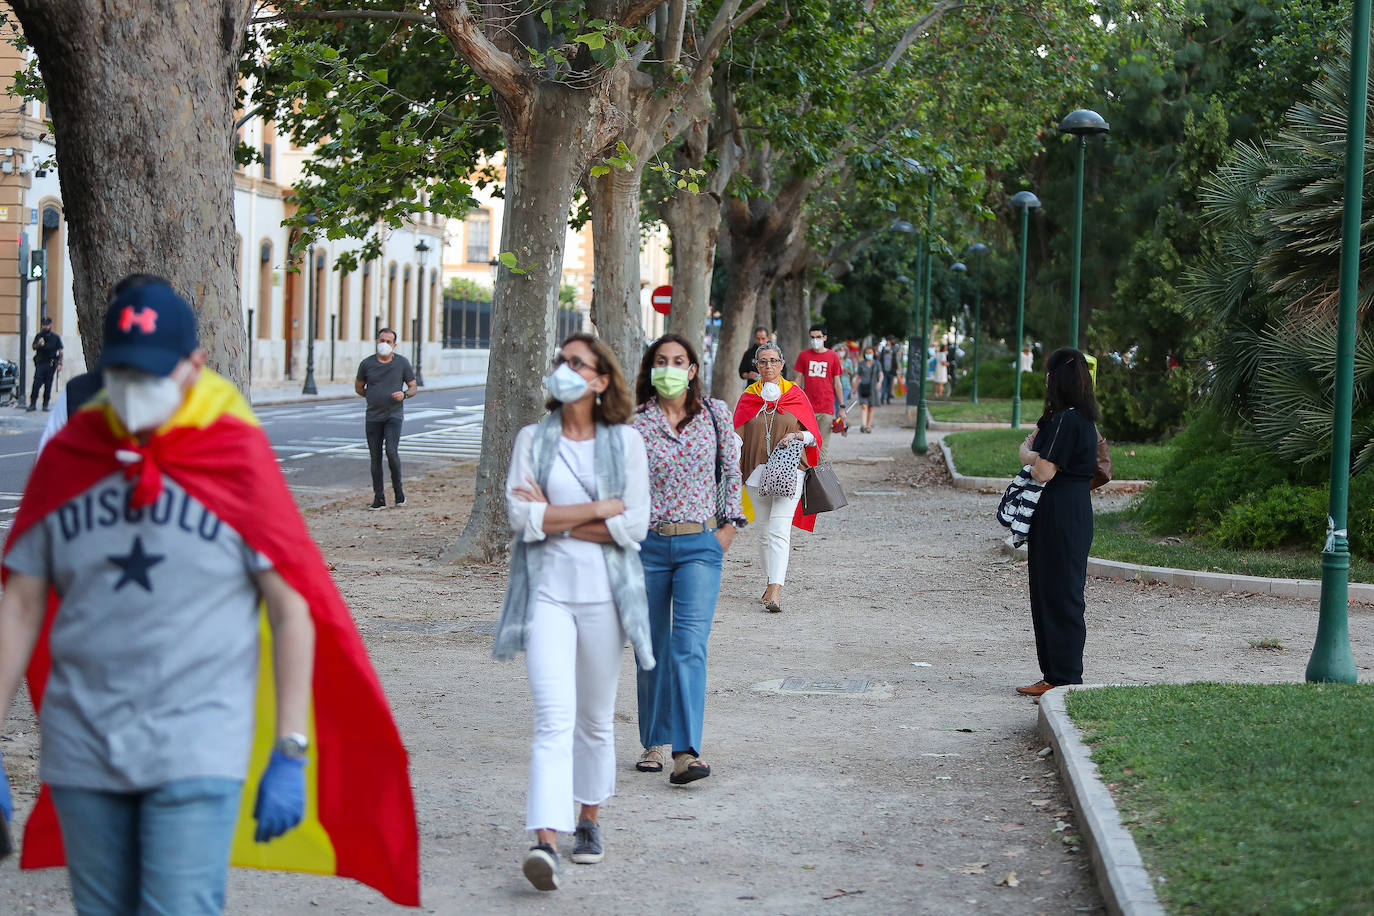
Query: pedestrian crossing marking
457	435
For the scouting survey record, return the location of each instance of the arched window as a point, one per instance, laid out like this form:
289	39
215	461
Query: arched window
320	294
404	331
263	319
365	313
345	281
391	296
433	317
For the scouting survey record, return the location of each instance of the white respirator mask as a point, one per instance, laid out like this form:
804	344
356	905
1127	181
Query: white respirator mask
141	400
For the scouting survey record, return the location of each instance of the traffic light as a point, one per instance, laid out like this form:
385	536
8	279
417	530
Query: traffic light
38	264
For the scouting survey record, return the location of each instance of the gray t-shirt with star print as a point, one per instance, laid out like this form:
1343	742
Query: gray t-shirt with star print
155	644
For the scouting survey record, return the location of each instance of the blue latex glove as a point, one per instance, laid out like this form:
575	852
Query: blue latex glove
281	797
6	801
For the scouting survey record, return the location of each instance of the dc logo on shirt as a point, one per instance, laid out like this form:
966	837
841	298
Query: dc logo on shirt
817	369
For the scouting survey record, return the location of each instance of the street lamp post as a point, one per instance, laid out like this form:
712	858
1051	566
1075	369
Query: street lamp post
919	445
978	249
914	327
1331	657
312	295
959	271
1023	201
421	249
1082	124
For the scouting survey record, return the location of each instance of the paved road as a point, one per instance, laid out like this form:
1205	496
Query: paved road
320	443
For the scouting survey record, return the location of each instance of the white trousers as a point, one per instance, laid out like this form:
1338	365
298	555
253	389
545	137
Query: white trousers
572	658
773	515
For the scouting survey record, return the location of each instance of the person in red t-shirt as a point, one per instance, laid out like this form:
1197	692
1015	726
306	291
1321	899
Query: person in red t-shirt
818	370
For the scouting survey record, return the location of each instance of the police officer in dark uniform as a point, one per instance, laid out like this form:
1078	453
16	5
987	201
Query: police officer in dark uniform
47	357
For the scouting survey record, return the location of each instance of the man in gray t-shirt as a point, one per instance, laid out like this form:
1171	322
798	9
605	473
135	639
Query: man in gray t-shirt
386	380
150	693
112	721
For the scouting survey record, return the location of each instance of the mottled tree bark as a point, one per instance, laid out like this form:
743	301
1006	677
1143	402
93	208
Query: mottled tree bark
793	314
142	100
693	222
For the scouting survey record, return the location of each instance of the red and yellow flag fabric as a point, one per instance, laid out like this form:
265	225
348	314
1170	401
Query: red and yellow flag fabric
360	817
795	402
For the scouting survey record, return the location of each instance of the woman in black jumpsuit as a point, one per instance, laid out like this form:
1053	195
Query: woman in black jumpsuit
1061	531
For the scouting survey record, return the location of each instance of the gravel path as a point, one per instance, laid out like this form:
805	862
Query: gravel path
923	792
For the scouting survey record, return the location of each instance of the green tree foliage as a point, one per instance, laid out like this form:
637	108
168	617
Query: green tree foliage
1176	98
398	123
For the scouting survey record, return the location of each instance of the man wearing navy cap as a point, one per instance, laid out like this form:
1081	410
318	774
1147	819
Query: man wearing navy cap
134	521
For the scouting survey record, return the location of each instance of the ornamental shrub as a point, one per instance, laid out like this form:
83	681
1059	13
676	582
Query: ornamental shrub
1285	515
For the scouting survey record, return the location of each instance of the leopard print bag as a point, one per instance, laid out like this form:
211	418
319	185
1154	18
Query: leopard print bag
780	473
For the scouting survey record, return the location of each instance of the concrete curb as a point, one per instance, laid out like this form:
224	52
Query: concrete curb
1359	592
1120	872
955	425
998	484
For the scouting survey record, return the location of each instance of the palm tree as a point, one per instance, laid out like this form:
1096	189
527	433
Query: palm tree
1270	285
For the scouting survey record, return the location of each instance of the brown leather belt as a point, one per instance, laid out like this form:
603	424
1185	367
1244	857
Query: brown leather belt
673	529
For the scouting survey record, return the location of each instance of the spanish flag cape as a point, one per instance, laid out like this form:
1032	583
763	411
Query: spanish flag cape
359	816
795	402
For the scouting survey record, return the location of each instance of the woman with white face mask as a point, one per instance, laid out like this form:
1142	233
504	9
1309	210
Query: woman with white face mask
694	485
771	413
578	497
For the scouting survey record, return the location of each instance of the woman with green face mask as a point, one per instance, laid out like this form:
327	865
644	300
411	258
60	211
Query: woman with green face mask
694	488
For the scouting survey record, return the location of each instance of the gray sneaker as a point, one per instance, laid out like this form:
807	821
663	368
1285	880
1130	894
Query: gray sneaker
587	843
541	867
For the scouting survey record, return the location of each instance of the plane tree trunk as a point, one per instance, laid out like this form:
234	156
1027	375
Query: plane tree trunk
141	94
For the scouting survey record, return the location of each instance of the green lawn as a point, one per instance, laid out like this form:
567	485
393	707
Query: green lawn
1115	538
987	410
992	453
1243	798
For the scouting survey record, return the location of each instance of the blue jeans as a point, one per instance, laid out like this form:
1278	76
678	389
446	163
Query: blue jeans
682	576
160	851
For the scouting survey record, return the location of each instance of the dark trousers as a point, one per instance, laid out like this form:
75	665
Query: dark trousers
43	374
386	432
887	388
1060	537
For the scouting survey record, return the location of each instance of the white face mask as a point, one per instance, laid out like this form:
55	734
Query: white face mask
384	348
817	344
142	401
770	391
566	384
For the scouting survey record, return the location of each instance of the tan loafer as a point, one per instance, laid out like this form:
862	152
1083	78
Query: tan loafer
1036	689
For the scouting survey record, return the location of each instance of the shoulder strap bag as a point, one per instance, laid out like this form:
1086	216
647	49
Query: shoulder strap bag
821	490
1104	464
721	503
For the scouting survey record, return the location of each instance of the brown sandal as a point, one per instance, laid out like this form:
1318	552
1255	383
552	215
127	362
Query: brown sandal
687	768
652	760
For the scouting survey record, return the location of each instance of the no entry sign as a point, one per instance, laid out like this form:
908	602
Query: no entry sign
662	299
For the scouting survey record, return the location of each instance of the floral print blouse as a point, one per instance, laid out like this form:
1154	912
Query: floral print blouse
682	466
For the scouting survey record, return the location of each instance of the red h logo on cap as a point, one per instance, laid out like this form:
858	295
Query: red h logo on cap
145	319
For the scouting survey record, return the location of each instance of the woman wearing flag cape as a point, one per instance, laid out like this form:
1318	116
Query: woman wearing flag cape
771	413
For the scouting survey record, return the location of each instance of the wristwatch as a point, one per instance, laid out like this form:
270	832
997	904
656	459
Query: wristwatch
293	745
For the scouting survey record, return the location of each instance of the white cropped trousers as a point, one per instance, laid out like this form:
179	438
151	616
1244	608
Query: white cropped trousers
572	658
773	515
